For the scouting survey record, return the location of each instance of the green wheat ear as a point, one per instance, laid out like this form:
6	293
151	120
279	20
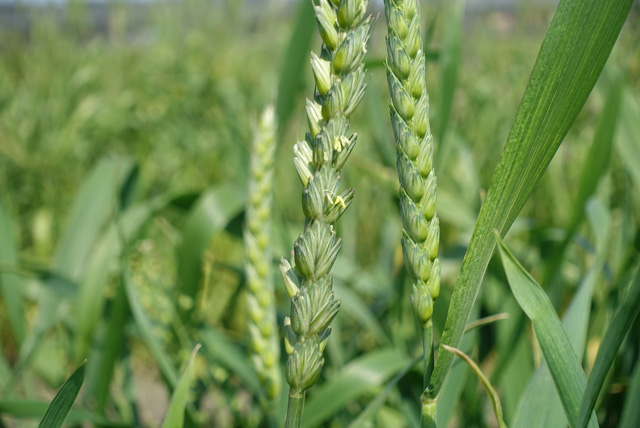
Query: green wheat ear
257	236
410	119
340	83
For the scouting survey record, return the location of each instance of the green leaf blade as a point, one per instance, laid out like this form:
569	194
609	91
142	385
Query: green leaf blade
61	405
572	56
175	414
558	352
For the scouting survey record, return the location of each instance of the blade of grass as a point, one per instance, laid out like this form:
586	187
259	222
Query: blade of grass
539	405
61	405
35	409
12	284
175	414
91	296
100	367
91	209
558	352
573	53
615	334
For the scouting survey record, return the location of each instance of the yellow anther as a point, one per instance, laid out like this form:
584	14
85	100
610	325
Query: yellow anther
340	201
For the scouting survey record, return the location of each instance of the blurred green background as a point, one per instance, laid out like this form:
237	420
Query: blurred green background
124	144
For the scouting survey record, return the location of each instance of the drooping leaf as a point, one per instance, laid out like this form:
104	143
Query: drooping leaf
558	352
540	406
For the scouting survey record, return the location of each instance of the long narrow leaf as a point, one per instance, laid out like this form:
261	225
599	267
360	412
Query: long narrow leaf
615	334
91	296
175	414
540	406
573	53
91	209
35	409
559	355
61	405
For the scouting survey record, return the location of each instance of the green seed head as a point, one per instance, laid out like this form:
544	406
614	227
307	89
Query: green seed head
340	84
409	110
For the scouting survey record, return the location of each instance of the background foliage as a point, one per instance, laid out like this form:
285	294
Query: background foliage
123	162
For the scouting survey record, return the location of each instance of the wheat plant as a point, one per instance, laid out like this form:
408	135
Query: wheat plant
257	236
339	86
409	108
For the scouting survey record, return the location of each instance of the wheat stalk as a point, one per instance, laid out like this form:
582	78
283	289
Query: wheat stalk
257	235
340	83
409	109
